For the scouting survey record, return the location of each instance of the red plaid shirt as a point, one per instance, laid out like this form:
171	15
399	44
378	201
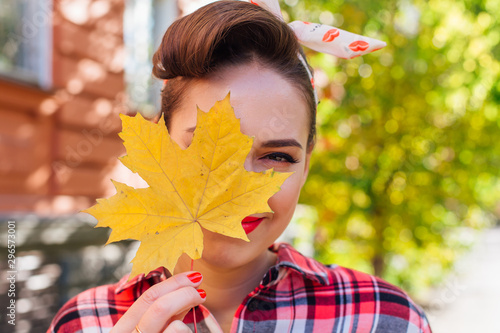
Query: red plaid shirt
298	294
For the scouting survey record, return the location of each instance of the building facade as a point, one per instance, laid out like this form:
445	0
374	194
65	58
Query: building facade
58	128
67	69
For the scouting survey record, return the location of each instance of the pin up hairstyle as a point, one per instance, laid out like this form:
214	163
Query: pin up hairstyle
223	34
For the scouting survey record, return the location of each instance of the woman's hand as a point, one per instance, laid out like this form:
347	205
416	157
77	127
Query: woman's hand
163	306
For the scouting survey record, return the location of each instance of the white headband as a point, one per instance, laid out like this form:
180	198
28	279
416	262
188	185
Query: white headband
324	38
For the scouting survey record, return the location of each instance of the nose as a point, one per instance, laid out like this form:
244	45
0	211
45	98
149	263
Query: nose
253	164
249	164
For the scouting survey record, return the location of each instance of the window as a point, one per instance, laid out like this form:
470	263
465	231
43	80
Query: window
26	41
145	22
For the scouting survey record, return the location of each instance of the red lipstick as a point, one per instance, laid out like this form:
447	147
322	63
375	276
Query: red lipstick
249	223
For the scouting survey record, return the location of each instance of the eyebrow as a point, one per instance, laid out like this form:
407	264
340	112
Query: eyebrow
281	143
270	143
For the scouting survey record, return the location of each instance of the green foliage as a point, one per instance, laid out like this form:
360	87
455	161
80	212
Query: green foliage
407	159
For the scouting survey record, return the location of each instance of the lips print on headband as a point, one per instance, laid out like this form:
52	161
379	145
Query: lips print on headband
324	38
330	35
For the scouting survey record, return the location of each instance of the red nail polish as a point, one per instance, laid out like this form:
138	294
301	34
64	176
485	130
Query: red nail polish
195	277
202	293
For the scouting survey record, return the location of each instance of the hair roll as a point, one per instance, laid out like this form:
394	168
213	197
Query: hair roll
222	34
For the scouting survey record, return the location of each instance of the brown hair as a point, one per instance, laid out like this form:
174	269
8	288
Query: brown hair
222	34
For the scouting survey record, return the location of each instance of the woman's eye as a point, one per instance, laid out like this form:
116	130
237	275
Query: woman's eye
281	158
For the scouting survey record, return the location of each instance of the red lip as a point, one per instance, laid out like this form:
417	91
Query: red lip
249	223
358	45
251	219
330	35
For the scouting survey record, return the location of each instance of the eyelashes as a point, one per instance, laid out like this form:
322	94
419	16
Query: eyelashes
281	158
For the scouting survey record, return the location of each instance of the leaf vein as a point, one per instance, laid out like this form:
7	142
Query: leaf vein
166	176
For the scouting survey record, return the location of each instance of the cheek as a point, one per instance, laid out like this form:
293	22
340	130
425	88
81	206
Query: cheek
283	202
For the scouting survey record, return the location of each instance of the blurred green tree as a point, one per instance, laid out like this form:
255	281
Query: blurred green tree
406	164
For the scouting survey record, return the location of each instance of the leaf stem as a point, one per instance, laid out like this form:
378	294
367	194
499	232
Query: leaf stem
194	310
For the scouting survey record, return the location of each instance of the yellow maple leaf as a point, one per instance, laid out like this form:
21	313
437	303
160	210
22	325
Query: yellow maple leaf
204	185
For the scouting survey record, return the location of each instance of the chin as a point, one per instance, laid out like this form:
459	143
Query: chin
227	252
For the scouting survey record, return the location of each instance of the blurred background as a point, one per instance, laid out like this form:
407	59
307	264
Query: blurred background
404	181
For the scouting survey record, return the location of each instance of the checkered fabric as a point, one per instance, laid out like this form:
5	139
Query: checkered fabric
298	294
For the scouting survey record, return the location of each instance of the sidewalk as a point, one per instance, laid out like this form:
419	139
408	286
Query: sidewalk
470	300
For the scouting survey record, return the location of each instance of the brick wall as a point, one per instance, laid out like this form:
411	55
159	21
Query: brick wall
59	147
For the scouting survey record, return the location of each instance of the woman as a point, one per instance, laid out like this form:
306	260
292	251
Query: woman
236	47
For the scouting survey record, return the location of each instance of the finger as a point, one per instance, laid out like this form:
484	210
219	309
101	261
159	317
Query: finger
177	326
136	311
160	313
180	316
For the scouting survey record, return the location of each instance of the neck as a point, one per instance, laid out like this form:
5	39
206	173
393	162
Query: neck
227	287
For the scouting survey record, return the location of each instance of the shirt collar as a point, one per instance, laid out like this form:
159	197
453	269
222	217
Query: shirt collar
288	258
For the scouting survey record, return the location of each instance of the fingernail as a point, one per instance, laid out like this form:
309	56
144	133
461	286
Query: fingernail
194	277
202	293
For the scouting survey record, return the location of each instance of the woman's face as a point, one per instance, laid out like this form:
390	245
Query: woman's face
272	111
